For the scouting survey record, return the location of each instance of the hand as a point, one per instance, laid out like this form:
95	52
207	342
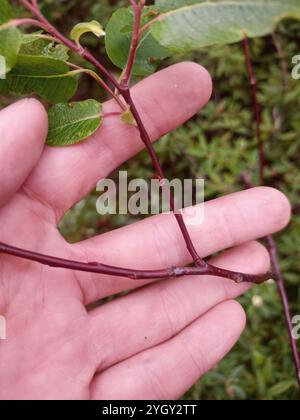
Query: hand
155	342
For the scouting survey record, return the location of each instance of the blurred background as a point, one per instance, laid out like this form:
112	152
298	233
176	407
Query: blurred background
219	145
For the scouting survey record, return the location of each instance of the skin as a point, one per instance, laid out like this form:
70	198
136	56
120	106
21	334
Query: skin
157	341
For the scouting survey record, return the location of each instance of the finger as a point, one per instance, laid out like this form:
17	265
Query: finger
167	371
157	242
158	312
23	130
165	100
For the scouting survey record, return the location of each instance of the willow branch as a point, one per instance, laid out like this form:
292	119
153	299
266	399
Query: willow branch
201	266
99	268
161	176
125	92
277	274
283	296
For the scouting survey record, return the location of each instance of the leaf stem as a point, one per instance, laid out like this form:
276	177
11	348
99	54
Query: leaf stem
101	82
22	22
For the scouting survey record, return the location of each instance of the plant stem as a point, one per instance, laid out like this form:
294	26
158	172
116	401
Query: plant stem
100	82
125	92
283	295
157	166
277	275
95	267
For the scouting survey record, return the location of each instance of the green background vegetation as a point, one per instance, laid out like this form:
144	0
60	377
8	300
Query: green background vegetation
219	145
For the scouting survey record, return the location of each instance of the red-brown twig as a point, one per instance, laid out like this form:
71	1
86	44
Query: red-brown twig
156	164
283	296
97	267
125	92
277	275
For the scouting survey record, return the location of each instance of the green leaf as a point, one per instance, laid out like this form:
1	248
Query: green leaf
6	11
205	24
48	77
118	38
281	388
10	42
37	46
72	123
86	27
32	37
164	5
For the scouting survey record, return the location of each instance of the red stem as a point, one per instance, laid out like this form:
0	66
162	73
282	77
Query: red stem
125	92
157	166
285	303
95	267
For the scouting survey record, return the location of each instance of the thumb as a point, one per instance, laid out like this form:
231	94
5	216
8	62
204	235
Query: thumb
23	130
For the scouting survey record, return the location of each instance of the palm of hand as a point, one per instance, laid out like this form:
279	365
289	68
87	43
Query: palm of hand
138	345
